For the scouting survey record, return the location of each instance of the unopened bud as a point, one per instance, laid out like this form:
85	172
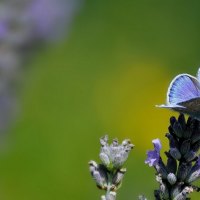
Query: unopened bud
185	147
183	171
105	159
193	176
118	177
171	178
189	156
171	164
177	129
175	153
99	174
196	146
161	169
182	122
195	136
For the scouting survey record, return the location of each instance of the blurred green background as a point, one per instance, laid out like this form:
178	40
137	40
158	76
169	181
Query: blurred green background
106	77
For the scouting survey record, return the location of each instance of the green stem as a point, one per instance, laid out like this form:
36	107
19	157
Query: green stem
109	195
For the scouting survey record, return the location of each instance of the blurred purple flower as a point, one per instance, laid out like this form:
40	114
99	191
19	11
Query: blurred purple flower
24	24
153	156
50	18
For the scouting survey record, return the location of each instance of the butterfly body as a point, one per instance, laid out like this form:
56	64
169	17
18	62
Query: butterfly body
184	95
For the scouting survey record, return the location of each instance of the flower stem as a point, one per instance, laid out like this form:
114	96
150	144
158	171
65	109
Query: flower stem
110	195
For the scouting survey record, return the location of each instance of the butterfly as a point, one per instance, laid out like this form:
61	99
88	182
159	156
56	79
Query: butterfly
183	95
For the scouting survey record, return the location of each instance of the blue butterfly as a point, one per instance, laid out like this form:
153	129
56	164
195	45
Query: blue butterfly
184	95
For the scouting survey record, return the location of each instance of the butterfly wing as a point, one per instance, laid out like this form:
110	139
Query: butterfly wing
198	75
191	107
179	108
183	88
184	95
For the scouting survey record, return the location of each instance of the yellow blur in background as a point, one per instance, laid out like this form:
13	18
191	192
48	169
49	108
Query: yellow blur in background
105	77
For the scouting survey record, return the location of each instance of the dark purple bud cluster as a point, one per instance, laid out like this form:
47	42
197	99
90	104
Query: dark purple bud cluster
109	174
183	162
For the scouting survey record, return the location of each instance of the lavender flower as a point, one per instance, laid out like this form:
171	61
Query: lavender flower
184	143
154	155
109	175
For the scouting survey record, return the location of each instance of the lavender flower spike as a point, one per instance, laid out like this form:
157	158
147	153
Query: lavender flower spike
153	156
175	178
109	174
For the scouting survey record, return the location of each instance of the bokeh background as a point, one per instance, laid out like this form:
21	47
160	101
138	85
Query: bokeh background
104	75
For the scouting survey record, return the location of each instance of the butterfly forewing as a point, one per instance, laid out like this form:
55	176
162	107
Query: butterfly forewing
183	88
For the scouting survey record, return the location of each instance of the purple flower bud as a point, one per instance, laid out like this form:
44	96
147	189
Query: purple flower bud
196	146
194	173
99	174
177	129
190	155
193	176
161	169
173	143
118	177
185	147
105	159
153	156
175	153
171	178
183	171
195	136
171	163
